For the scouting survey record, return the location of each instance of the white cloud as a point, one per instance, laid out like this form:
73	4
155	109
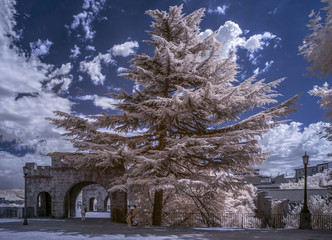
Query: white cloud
90	48
84	19
268	65
59	79
25	116
120	70
124	49
75	52
77	19
40	48
206	33
105	102
93	68
87	16
230	34
258	41
86	97
287	144
24	101
11	173
274	11
95	5
111	89
220	10
265	69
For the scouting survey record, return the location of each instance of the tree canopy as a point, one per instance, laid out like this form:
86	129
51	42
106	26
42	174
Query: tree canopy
189	121
317	49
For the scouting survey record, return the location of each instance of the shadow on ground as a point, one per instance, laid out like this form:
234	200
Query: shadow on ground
99	229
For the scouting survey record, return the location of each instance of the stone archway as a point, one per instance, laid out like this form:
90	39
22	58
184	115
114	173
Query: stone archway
107	203
44	204
71	196
63	184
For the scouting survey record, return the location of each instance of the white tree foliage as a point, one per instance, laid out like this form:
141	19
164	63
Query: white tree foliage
190	204
318	206
319	180
325	94
317	47
189	114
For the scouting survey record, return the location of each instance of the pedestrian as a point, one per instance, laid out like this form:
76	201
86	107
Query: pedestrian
83	212
128	217
134	216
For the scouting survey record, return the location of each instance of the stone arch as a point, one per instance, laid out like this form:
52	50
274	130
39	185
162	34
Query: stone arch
63	183
71	195
107	202
44	204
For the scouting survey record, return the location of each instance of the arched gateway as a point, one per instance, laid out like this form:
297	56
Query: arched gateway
52	190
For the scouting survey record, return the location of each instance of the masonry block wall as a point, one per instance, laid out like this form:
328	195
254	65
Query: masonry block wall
61	185
98	193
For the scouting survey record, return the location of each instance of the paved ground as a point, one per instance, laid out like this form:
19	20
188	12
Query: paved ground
100	229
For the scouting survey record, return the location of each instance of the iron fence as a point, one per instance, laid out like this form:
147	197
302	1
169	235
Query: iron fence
225	220
245	220
11	212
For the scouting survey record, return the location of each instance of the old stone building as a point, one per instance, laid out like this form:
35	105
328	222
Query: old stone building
53	190
95	197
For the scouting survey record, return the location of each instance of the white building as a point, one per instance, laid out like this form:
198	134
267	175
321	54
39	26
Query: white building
312	170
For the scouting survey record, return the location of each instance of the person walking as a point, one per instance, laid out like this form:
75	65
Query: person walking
134	216
129	216
83	212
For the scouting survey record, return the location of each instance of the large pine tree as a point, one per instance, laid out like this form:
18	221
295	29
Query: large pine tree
187	115
317	49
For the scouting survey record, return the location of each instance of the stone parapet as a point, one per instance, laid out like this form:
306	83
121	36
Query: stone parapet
34	170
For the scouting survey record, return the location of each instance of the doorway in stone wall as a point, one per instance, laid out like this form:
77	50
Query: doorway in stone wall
44	204
107	203
92	204
92	195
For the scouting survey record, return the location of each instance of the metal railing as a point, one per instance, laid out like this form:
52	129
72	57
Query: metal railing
225	220
11	212
245	220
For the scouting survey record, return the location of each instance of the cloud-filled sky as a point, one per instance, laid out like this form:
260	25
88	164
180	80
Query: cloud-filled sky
66	55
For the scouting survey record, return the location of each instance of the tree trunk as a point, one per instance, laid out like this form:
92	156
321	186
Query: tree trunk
157	207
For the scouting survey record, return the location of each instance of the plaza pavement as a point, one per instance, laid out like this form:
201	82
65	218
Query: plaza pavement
102	229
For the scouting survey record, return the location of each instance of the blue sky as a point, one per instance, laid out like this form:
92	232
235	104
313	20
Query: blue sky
66	55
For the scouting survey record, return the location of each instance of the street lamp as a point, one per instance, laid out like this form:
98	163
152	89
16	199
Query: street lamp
305	215
25	172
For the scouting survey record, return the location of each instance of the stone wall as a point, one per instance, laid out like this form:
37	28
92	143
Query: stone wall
294	195
64	183
98	193
274	202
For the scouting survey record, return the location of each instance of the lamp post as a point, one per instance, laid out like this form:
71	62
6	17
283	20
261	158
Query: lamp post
305	215
25	172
